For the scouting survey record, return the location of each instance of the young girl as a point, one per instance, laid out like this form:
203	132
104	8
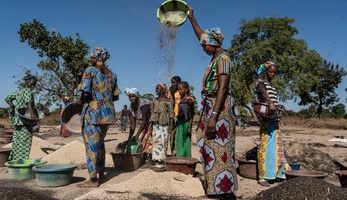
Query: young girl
184	121
175	99
162	118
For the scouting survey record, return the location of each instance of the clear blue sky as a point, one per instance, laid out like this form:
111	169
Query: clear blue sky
130	30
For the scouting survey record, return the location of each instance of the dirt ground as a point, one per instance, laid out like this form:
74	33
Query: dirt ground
310	148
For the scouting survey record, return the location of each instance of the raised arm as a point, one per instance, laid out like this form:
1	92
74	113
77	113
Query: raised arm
198	31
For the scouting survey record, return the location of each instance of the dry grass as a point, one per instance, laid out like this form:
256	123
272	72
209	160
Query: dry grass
325	123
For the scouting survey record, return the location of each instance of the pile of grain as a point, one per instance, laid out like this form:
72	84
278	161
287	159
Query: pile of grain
73	152
162	184
304	188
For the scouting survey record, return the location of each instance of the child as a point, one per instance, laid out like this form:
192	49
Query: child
162	118
184	121
175	99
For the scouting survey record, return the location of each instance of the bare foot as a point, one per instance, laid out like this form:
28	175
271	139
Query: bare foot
88	184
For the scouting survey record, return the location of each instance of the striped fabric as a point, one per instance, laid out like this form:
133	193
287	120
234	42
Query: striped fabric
271	91
210	80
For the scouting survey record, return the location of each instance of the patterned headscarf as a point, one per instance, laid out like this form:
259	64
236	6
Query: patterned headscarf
264	66
100	53
212	36
133	91
167	91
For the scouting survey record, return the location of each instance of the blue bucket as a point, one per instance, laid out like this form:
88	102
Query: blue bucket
295	166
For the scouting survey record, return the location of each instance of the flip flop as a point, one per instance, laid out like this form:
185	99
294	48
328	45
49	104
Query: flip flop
86	185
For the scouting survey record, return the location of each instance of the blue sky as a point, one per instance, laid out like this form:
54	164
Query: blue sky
130	30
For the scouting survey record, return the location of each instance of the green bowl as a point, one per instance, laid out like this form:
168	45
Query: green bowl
172	13
22	169
54	175
134	147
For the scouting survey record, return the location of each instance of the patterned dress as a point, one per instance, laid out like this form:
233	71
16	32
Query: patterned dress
145	134
22	135
161	115
271	160
183	141
218	153
97	115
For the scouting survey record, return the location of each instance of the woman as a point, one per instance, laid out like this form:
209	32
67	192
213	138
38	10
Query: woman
140	109
23	133
99	91
162	119
271	161
216	130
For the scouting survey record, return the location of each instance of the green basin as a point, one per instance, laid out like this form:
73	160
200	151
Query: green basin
54	175
22	169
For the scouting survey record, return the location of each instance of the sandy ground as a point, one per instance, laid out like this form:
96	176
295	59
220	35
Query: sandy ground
113	188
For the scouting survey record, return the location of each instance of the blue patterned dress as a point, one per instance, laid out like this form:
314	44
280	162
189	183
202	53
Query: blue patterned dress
97	115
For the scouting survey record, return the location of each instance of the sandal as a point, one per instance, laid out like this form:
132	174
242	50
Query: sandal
264	183
87	184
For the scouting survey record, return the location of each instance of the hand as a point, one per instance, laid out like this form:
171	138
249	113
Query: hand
78	102
272	108
211	127
282	107
33	116
191	12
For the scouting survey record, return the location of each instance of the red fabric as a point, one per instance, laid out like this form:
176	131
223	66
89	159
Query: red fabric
64	133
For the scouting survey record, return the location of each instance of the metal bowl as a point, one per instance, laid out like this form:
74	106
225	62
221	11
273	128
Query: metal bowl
24	116
71	118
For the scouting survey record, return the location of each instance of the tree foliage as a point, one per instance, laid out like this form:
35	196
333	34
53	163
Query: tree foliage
322	92
63	61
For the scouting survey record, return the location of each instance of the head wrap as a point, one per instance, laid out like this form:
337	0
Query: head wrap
212	36
100	53
264	66
167	91
133	91
30	78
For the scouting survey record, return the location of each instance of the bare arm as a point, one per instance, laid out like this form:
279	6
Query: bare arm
198	31
31	109
132	125
262	89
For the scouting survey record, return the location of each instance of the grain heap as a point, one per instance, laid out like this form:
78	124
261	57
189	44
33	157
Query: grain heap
304	188
73	152
152	183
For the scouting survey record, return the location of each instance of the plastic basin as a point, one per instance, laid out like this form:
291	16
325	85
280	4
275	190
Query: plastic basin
127	161
5	139
54	175
247	168
342	174
172	13
4	153
22	169
296	173
295	166
134	147
185	165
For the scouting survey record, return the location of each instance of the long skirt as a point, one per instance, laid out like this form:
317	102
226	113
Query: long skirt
21	142
145	138
183	141
218	154
94	140
159	142
271	160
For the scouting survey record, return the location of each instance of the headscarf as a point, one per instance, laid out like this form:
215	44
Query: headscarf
264	66
100	53
30	78
133	91
212	36
167	91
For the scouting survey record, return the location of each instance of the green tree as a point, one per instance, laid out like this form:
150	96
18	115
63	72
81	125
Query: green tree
63	61
322	93
263	39
338	111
